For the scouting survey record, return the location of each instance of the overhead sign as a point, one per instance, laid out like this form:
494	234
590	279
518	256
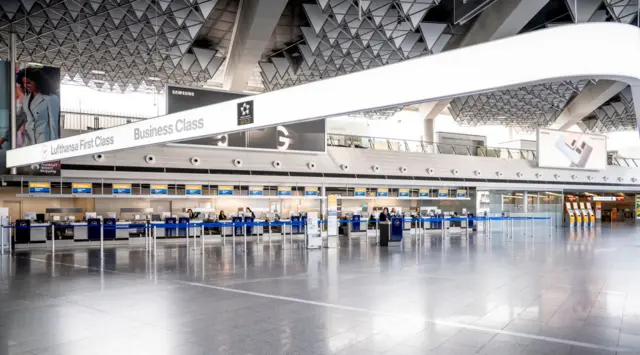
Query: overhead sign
284	190
443	193
461	193
403	193
121	189
604	198
380	87
311	191
571	150
225	190
383	192
39	187
159	189
423	193
360	192
256	190
81	188
193	190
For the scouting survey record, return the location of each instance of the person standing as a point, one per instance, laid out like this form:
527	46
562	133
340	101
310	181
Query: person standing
384	215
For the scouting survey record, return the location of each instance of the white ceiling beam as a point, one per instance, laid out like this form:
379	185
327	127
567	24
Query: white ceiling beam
395	85
589	99
255	23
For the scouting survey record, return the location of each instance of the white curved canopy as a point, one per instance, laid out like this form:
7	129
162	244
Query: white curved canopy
565	52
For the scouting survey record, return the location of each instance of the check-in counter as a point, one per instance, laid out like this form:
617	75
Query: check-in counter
227	230
159	231
258	230
80	231
286	229
39	232
122	232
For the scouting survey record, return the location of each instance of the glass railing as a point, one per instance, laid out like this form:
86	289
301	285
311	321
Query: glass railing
404	145
88	121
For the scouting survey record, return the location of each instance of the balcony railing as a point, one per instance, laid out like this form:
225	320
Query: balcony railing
405	145
89	121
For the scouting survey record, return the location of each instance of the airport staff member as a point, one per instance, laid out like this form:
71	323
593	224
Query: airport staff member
190	213
250	212
222	216
384	215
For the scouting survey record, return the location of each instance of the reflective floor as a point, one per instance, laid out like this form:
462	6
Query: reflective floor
571	293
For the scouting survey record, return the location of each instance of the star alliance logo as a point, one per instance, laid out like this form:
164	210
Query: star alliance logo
245	113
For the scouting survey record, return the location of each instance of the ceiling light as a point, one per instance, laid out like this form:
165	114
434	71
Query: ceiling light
153	78
99	81
33	64
100	72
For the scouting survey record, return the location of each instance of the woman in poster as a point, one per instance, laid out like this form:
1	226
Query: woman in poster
40	106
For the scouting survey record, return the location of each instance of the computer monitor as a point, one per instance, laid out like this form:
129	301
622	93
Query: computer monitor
40	217
156	217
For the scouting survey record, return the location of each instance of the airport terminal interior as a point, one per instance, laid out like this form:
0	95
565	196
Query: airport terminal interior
319	177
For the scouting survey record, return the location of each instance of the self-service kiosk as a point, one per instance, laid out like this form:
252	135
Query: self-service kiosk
592	215
584	214
571	217
577	213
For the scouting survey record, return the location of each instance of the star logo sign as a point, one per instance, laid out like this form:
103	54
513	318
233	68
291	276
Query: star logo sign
244	109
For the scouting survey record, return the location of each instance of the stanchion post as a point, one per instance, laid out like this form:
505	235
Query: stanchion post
233	235
291	236
269	226
53	238
2	239
377	231
11	240
101	239
244	231
155	237
467	227
224	235
187	235
202	238
442	227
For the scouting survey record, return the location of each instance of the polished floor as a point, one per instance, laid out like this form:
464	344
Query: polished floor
569	293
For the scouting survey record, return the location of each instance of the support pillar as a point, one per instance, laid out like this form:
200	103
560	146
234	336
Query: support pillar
12	84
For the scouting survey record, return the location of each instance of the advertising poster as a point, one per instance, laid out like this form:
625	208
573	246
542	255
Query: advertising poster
571	150
295	137
37	113
332	215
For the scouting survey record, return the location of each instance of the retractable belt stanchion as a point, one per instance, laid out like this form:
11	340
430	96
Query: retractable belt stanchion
233	235
244	231
202	238
377	231
155	236
11	236
53	238
269	226
511	229
186	232
291	235
101	239
467	227
224	239
442	227
2	239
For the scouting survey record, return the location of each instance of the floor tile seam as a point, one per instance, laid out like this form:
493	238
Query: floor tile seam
329	305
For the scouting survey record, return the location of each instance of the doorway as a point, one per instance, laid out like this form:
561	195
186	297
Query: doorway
15	209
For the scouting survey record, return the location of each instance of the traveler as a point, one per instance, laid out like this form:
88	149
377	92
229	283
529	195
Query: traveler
384	215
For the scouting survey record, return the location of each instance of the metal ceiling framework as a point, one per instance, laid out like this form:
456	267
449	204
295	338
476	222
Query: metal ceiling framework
116	45
527	107
539	105
346	36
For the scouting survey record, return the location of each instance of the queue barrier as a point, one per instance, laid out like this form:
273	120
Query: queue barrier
150	229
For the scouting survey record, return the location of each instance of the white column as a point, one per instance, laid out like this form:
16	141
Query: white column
12	84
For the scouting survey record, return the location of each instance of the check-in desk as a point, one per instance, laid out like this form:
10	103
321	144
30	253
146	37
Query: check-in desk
226	230
29	232
81	231
286	228
123	233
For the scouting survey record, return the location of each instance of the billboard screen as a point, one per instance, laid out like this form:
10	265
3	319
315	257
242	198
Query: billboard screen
37	111
571	150
306	136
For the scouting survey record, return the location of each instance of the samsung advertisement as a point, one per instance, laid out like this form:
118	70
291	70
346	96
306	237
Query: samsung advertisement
571	150
295	137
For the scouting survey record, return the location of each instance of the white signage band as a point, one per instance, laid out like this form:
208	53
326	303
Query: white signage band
559	53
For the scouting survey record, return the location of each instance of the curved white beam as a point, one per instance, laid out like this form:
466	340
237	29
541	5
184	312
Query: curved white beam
560	53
